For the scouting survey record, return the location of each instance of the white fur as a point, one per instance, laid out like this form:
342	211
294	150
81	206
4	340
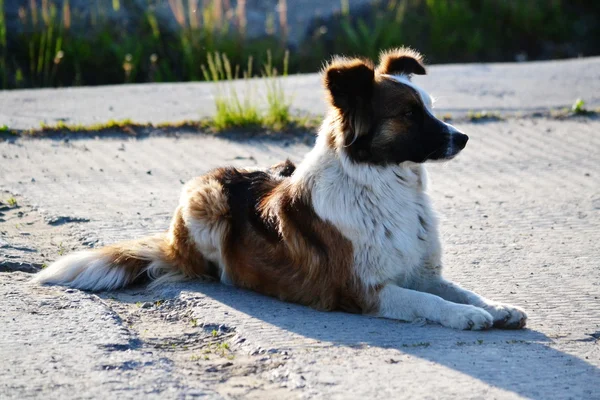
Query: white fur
409	305
87	270
378	208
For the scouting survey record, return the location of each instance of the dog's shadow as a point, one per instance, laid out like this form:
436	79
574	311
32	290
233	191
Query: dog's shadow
520	361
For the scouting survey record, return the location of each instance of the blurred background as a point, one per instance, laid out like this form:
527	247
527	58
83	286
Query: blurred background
59	43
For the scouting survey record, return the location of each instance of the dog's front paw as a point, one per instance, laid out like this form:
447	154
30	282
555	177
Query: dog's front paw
467	317
507	316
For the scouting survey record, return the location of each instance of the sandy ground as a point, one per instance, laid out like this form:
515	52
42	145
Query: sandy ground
509	88
520	218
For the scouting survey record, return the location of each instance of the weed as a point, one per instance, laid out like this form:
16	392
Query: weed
120	125
234	110
44	266
224	346
3	52
420	344
214	333
278	103
12	202
479	341
194	322
578	107
46	50
158	303
61	249
138	304
307	122
3	128
231	110
479	116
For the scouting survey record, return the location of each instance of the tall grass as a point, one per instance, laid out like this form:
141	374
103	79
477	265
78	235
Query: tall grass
278	102
3	70
236	100
232	111
53	49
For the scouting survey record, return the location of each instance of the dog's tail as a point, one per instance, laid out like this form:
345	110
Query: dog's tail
164	257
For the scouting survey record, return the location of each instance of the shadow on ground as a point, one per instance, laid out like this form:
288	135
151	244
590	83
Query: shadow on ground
516	361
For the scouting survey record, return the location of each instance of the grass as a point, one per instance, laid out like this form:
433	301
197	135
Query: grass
480	116
61	249
232	110
237	108
12	202
420	344
48	49
130	127
578	108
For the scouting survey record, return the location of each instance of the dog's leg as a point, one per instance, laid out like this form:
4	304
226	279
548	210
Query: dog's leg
505	316
409	305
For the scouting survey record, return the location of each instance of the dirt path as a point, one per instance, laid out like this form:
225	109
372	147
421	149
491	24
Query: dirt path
458	89
520	212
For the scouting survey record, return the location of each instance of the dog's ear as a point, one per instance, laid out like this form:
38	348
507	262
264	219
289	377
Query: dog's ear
401	61
349	83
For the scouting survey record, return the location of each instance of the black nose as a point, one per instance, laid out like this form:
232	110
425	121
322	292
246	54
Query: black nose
460	140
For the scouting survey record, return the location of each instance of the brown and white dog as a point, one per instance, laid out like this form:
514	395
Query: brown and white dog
351	228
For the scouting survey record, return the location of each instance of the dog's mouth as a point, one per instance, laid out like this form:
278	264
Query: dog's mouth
452	145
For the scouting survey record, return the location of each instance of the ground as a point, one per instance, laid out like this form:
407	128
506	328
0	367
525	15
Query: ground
520	220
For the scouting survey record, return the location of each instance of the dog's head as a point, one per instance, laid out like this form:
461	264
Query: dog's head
381	117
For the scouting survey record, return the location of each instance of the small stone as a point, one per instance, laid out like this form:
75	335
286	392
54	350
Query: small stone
147	305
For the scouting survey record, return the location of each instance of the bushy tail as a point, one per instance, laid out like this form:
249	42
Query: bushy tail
114	266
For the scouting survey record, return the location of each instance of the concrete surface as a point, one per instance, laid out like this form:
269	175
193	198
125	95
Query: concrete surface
520	211
503	87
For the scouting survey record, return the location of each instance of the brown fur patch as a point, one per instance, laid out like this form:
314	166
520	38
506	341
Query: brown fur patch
175	251
276	245
283	169
181	251
206	200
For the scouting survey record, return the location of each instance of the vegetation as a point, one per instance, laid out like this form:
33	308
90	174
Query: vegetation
578	107
47	52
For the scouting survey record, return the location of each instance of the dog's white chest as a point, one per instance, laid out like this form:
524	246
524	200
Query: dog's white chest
386	221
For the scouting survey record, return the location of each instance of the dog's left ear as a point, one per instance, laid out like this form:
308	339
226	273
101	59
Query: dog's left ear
349	83
401	61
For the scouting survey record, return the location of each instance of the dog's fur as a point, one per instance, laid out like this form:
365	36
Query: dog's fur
351	228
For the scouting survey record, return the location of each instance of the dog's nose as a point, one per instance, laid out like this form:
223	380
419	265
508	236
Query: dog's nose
460	140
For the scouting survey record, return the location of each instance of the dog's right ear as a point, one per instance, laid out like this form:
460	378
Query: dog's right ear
349	83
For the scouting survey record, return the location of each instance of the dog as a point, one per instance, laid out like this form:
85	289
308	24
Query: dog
349	228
